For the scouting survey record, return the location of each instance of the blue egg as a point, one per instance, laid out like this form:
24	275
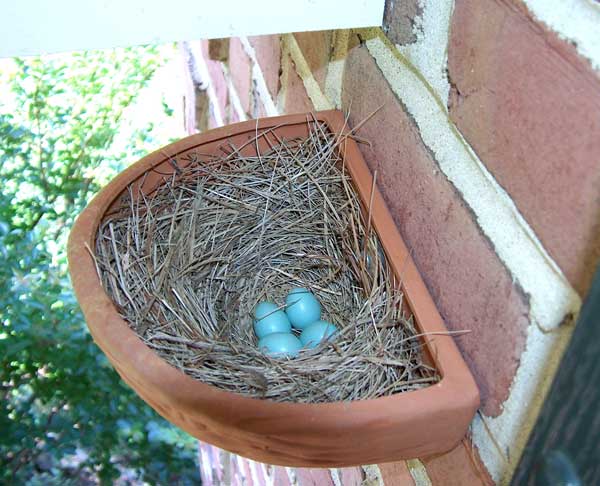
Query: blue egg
270	319
280	344
302	308
313	334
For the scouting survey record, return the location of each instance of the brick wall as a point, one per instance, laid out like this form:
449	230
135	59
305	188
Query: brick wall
488	152
459	467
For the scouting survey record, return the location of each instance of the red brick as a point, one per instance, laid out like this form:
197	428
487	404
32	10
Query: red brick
218	81
316	48
268	56
396	474
399	20
240	68
461	466
314	477
296	97
470	285
351	476
218	49
529	105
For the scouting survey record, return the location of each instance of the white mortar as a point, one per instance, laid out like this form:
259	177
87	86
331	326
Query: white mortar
319	100
292	476
551	296
372	475
429	53
259	79
511	429
335	477
577	21
283	77
234	97
418	472
334	81
196	50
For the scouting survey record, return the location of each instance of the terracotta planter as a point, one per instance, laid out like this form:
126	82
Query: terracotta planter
406	425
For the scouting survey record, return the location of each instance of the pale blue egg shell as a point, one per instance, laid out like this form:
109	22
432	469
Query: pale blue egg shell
313	334
270	319
302	308
280	344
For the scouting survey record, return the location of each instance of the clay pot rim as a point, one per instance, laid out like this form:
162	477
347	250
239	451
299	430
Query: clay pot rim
456	383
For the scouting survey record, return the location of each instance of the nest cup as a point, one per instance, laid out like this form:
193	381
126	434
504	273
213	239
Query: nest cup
186	256
167	369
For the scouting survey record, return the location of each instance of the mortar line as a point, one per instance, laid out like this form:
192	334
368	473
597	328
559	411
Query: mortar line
511	429
204	74
335	68
335	477
233	94
372	473
319	100
259	77
283	77
291	476
418	472
542	352
506	250
573	20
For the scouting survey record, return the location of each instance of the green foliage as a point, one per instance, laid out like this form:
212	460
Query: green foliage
58	121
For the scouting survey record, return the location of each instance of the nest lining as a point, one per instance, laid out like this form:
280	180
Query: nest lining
187	263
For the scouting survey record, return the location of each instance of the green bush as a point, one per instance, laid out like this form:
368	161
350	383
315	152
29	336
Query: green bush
65	415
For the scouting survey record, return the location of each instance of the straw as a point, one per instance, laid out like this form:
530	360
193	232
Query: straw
187	263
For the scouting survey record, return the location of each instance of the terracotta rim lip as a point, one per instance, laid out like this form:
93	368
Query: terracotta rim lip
456	380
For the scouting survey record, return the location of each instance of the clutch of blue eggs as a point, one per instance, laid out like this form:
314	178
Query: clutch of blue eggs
277	326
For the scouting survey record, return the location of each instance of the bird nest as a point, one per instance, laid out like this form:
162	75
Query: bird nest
187	263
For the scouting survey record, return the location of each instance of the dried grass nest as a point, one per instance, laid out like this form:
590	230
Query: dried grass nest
187	263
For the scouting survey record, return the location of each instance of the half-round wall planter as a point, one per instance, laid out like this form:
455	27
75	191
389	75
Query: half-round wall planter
406	425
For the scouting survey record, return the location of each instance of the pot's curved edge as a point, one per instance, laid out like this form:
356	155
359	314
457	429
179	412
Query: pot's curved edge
130	355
